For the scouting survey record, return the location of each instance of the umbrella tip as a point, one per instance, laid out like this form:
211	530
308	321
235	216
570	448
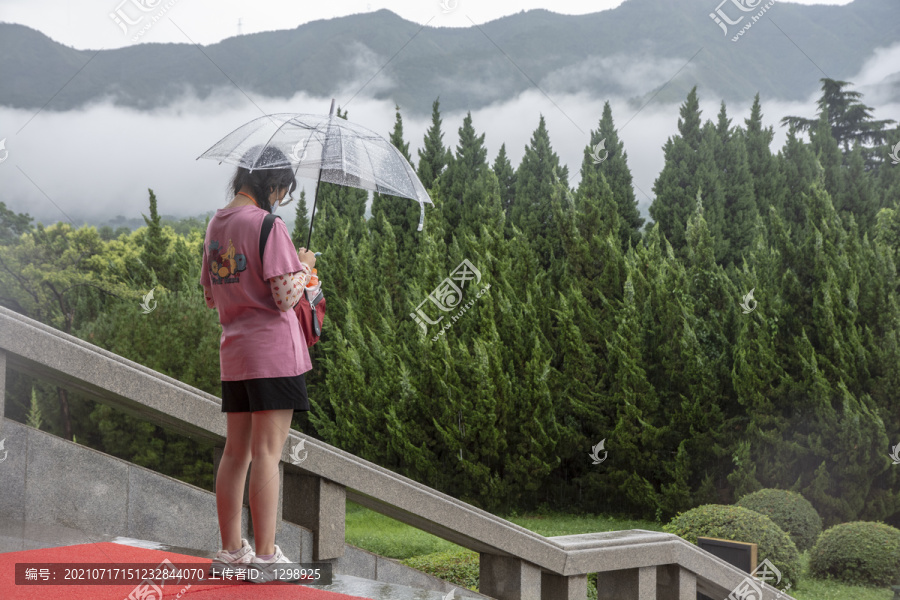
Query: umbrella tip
331	112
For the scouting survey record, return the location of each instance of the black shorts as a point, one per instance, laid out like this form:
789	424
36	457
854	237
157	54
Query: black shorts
272	393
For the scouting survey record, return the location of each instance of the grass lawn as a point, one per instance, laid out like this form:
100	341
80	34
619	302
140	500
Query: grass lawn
382	535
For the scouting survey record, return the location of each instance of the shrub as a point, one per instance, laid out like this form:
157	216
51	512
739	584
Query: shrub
860	553
740	524
790	511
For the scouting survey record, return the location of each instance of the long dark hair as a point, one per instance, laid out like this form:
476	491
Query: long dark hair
264	180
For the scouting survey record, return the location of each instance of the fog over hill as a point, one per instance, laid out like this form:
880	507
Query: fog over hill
137	117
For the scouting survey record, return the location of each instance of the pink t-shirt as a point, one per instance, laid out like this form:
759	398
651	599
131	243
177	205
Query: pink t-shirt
258	339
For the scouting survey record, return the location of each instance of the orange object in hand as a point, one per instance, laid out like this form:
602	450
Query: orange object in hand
313	280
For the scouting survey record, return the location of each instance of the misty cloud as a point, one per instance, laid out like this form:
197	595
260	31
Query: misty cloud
625	74
97	163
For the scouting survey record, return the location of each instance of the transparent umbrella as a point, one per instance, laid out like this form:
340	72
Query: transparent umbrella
324	148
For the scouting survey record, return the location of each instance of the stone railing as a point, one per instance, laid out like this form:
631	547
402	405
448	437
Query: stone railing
515	563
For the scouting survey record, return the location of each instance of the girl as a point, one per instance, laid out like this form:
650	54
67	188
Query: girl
263	354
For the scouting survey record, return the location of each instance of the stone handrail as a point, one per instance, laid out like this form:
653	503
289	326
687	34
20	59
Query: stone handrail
516	563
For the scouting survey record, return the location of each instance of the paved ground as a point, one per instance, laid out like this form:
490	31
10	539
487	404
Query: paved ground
16	536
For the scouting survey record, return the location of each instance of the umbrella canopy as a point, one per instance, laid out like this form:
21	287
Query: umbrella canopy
326	148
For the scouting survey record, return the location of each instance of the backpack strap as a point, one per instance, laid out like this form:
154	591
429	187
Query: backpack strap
267	225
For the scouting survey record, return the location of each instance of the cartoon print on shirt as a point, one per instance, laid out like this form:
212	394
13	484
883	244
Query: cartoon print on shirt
224	267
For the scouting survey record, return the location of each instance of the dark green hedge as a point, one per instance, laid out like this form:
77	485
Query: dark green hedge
740	524
860	553
790	511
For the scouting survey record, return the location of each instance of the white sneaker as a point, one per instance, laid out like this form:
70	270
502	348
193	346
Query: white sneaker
278	567
237	562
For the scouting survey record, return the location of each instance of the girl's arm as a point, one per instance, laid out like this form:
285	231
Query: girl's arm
207	292
287	289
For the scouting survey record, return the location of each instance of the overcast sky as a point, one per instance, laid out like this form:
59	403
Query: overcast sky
89	25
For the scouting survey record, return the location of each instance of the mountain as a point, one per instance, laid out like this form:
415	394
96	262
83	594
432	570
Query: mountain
630	51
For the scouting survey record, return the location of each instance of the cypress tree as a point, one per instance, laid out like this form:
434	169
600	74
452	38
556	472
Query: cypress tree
300	232
507	178
469	163
801	170
618	176
765	175
677	185
433	157
155	247
740	210
858	196
401	213
531	211
637	440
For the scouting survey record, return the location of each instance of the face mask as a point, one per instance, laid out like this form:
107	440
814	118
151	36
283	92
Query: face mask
274	206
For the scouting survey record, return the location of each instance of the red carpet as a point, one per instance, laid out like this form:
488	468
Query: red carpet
127	556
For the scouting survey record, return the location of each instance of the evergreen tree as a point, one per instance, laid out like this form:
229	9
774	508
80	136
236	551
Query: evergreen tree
396	137
155	247
740	210
301	232
618	176
507	178
468	165
433	156
765	172
401	213
12	224
531	211
800	170
851	121
677	185
859	198
825	147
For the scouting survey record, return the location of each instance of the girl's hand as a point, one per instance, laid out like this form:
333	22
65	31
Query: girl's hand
307	257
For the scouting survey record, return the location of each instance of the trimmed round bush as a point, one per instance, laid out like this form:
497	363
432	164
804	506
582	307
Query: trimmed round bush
790	511
858	553
739	524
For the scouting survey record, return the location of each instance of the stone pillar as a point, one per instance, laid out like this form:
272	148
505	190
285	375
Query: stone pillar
687	584
509	578
319	505
247	530
676	583
627	584
562	587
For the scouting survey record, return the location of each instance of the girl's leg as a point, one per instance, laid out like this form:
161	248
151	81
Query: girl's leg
230	478
269	431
